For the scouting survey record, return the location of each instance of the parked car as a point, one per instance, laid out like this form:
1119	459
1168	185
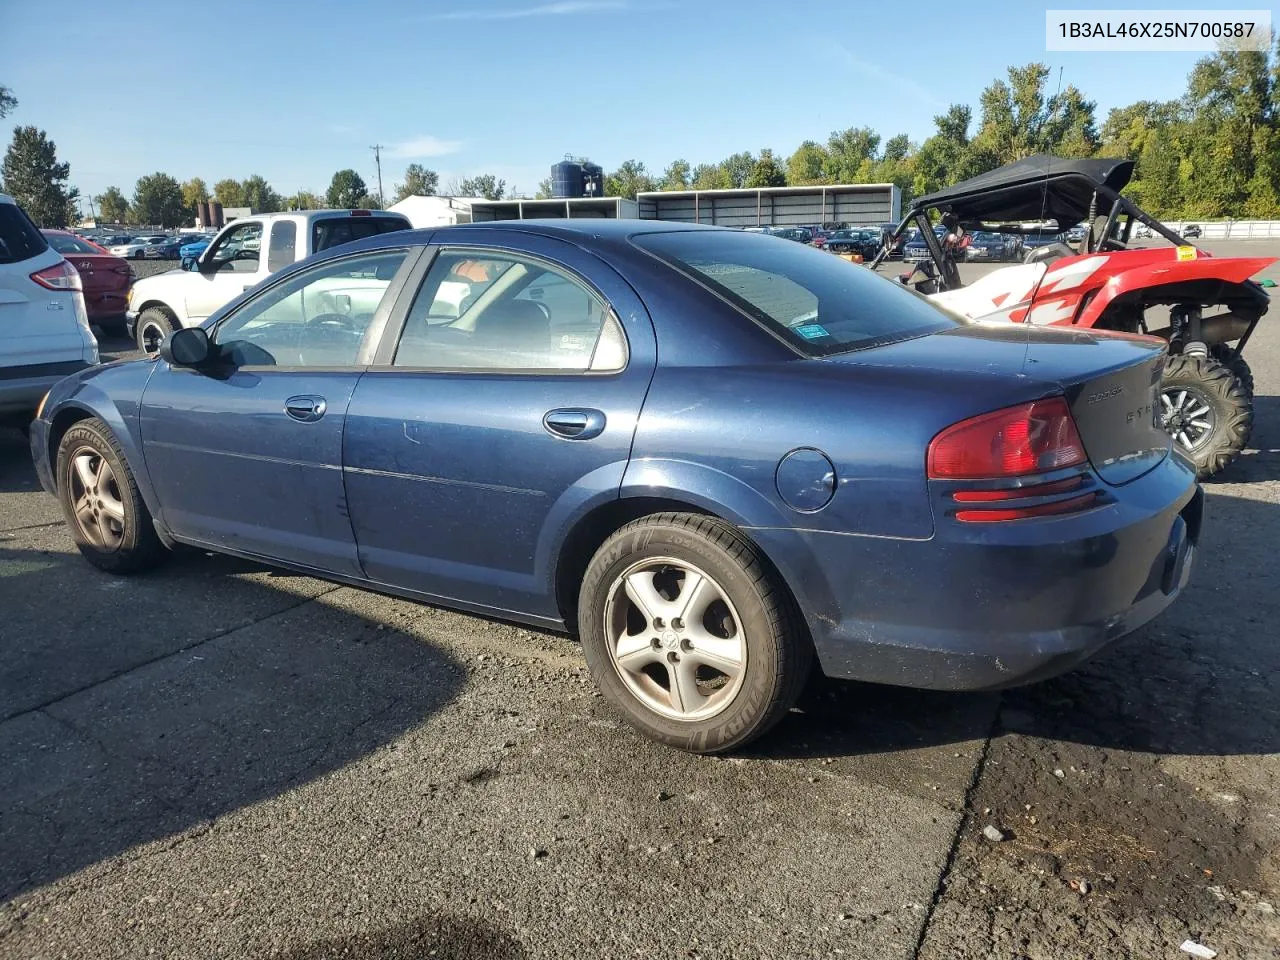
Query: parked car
798	234
192	247
887	237
44	326
1034	241
548	448
104	278
132	249
166	249
113	240
915	248
1076	234
233	262
990	247
1191	231
865	242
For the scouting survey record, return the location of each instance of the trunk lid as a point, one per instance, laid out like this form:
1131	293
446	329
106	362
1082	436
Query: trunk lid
1111	381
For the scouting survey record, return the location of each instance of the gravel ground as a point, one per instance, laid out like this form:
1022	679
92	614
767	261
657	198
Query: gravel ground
217	760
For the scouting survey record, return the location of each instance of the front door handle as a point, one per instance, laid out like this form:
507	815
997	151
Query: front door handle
306	409
574	423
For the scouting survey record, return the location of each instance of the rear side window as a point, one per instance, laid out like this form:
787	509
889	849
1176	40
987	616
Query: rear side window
19	238
818	303
331	231
284	238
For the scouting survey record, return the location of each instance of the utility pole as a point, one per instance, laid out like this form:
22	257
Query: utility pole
377	158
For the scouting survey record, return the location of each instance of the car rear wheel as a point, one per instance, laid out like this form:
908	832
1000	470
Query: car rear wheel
154	324
690	635
1207	410
107	516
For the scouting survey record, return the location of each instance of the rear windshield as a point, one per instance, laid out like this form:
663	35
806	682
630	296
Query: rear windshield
818	303
19	238
331	231
68	244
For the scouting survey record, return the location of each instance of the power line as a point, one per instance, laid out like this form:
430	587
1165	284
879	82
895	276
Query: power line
377	158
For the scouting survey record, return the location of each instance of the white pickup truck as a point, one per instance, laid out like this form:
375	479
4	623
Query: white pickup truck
245	252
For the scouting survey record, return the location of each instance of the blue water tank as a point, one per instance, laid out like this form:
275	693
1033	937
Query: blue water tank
566	179
592	180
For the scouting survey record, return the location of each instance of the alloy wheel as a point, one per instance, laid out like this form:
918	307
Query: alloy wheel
1187	415
151	336
95	499
675	639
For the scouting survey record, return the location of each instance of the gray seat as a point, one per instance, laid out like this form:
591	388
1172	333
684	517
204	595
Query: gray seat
1049	253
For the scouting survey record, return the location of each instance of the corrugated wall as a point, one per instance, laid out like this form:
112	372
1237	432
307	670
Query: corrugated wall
860	206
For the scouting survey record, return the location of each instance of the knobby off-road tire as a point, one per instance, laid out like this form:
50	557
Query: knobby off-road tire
1225	354
107	517
1214	438
689	633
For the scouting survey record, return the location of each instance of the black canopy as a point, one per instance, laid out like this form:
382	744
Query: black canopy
1037	188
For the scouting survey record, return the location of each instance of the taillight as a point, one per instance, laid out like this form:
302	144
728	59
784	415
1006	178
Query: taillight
1030	438
61	276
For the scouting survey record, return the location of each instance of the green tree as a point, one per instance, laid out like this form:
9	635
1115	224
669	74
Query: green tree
544	189
229	193
157	198
368	201
34	177
946	157
677	176
259	196
767	172
112	205
484	185
850	153
418	182
304	200
194	192
345	189
630	178
809	164
8	102
1125	132
710	176
738	168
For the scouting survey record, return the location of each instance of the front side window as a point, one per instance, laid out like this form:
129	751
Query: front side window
318	318
498	311
283	250
818	303
239	250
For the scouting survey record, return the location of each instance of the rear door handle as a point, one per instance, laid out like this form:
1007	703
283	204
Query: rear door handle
306	409
574	423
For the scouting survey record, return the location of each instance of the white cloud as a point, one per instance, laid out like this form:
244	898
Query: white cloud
423	146
902	84
559	8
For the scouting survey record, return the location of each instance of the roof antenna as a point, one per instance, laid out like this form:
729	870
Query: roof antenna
1044	191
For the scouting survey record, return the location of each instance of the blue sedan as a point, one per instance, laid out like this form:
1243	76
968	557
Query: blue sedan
714	456
194	248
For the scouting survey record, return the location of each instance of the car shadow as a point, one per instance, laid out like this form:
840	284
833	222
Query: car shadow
136	709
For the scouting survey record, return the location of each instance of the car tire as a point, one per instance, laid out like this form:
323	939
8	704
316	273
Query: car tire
1226	355
1207	410
712	684
108	519
154	324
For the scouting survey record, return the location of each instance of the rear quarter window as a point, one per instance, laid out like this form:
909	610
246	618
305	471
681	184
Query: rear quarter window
332	231
818	303
19	238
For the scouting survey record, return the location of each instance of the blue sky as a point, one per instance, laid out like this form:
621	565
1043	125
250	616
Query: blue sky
296	90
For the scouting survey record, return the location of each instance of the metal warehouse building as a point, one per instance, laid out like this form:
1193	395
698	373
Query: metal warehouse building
852	203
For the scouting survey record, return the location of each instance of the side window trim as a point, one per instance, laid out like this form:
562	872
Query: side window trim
373	334
384	356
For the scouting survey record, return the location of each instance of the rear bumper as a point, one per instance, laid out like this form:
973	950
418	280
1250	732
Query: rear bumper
106	304
22	387
993	608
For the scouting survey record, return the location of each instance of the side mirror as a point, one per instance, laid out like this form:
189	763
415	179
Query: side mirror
189	347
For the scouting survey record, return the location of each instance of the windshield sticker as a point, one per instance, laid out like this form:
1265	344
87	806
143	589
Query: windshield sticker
812	331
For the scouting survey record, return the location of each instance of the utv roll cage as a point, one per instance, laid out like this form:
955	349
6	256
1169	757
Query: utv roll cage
1037	189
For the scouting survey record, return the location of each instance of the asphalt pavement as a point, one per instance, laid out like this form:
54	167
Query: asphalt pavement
220	760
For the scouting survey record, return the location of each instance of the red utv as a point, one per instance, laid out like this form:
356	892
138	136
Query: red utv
1205	307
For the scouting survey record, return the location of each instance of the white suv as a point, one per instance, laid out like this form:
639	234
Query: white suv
44	329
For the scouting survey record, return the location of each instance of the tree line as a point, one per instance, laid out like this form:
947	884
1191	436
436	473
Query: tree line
1212	152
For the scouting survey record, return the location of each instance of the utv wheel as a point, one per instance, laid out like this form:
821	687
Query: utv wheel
153	326
1206	409
690	635
109	521
1225	354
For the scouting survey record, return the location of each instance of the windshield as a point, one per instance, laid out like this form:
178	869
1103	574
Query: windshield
818	303
68	244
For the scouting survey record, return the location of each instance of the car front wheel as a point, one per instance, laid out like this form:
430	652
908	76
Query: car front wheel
153	326
690	635
107	516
